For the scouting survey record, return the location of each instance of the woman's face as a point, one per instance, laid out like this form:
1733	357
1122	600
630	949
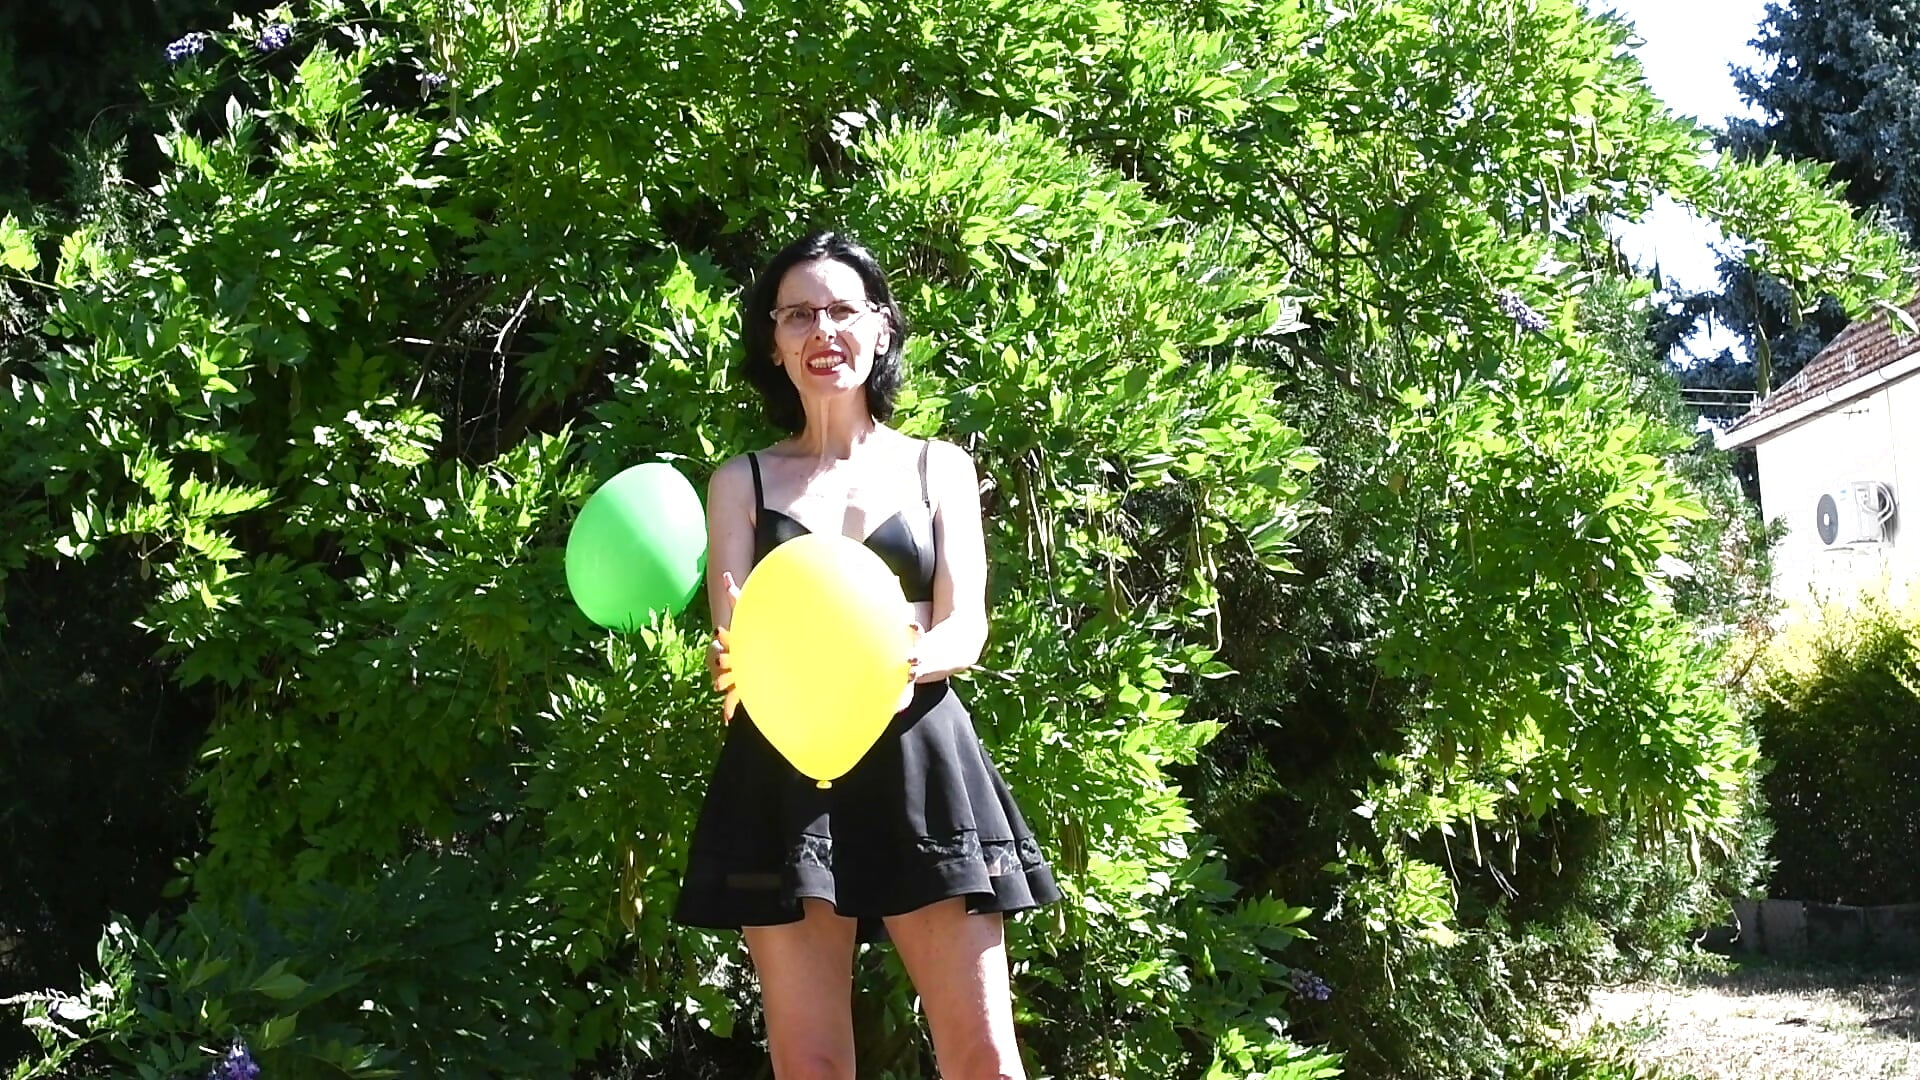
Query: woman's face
825	331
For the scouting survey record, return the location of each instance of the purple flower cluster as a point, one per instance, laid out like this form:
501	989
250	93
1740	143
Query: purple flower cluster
237	1065
190	45
1520	311
1310	986
273	38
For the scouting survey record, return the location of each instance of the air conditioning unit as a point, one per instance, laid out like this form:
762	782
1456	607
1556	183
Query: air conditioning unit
1859	512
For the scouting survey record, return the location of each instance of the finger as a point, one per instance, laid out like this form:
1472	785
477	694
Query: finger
721	638
726	579
724	682
727	704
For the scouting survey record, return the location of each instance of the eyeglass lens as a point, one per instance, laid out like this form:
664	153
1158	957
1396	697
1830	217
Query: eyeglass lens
802	316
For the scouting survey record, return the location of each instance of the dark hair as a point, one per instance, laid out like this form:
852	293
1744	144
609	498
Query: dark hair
777	393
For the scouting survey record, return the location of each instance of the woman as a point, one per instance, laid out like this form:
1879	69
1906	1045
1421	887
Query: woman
922	838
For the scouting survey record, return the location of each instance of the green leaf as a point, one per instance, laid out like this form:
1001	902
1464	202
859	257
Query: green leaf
280	985
277	1031
16	246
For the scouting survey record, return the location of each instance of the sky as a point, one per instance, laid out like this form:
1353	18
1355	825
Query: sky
1689	47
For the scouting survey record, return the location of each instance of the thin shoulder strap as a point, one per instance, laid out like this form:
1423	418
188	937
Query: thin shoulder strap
925	496
759	497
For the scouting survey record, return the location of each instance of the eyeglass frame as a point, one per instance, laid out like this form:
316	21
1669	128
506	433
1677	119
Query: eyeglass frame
866	307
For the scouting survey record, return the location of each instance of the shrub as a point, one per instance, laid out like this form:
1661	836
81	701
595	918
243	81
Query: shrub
341	413
1839	722
1451	939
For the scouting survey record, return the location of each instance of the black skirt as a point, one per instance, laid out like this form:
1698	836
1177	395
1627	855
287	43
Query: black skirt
923	817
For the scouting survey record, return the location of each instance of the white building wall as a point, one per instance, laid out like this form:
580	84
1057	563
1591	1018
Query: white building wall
1903	468
1875	437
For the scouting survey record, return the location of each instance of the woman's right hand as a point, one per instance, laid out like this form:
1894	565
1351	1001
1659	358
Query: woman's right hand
720	662
914	634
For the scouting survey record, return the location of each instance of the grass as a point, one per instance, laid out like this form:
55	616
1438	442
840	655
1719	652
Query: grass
1766	1021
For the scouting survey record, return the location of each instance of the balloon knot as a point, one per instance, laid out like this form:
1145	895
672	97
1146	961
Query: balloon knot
825	784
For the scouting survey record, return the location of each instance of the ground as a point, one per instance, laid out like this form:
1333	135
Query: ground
1772	1022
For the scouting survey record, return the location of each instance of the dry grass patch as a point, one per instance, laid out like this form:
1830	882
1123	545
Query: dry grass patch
1767	1022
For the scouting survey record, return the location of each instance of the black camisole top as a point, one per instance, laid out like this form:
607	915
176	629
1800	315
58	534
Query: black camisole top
904	541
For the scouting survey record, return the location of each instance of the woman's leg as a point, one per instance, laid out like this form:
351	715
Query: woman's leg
806	986
958	963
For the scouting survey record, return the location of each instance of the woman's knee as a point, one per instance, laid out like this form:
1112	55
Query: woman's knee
977	1049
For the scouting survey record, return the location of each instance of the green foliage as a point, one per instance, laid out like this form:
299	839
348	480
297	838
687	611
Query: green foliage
433	968
1652	901
1838	706
339	402
1722	573
1466	911
1787	304
1564	904
1512	684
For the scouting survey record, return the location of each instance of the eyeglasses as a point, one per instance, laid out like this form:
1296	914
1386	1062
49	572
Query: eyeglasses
800	318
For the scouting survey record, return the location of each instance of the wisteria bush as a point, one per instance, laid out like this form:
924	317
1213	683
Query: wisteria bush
422	274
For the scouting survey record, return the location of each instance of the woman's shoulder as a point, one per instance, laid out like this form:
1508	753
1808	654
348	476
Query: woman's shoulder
733	479
744	461
950	473
947	456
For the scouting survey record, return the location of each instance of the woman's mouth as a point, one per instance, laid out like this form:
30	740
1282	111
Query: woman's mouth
825	361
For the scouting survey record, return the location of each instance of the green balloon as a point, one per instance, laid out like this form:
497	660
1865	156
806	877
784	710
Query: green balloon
638	549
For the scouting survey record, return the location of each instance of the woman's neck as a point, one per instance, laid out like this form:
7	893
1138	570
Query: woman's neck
835	430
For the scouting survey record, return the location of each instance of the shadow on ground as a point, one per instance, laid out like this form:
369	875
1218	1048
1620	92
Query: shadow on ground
1889	998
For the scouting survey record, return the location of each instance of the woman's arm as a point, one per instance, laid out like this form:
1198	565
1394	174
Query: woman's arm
959	631
729	557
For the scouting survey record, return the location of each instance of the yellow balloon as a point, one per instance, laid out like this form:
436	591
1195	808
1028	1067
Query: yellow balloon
819	646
